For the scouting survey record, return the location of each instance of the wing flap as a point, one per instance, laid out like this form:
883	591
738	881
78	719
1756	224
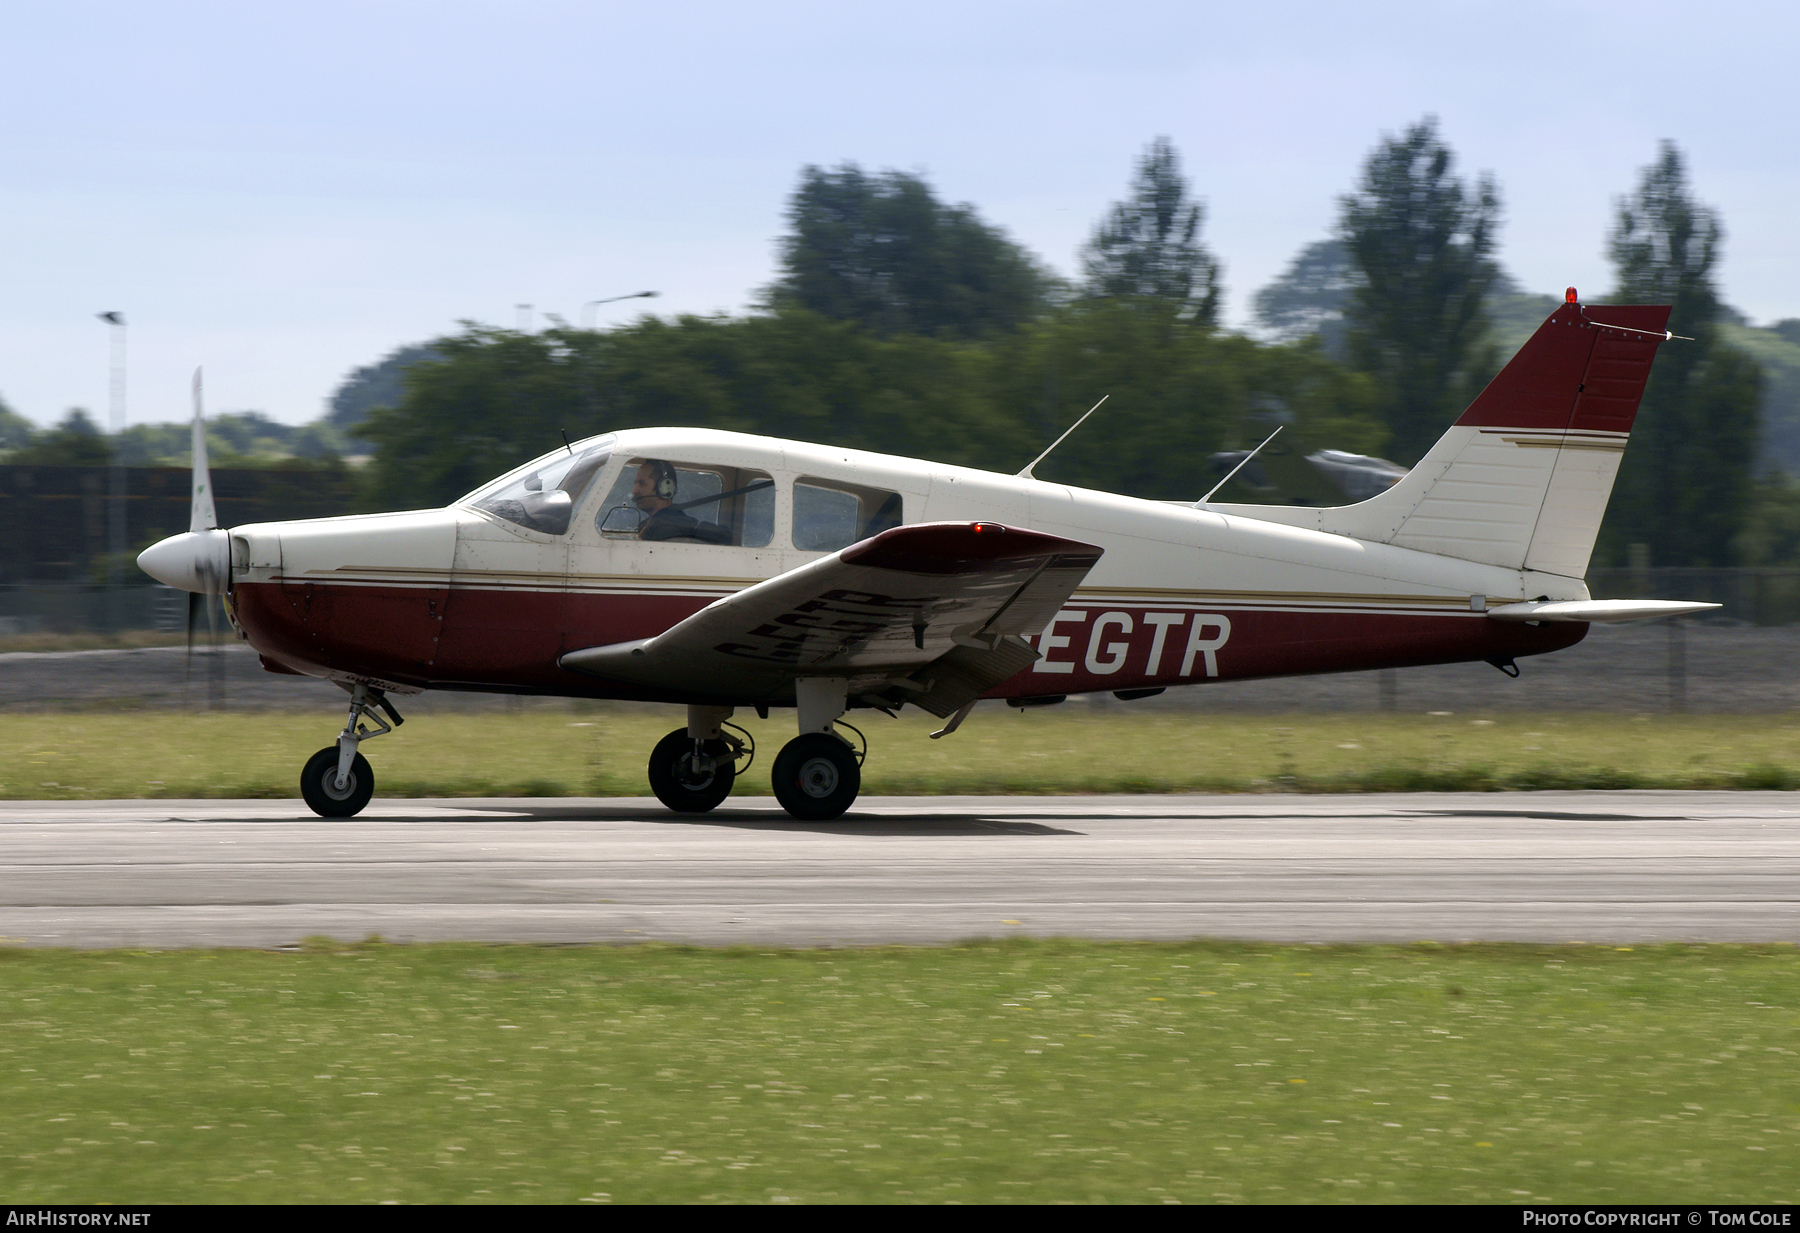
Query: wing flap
937	605
964	673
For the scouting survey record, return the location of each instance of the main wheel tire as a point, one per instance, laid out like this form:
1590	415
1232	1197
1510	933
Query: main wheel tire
673	780
318	784
816	777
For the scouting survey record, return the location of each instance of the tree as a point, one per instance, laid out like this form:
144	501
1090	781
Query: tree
496	398
16	431
1422	243
235	439
75	442
491	400
882	251
381	384
1684	488
1310	297
1771	534
1176	397
1149	244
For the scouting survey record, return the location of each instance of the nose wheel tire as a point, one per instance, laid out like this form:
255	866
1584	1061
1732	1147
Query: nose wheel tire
318	784
678	785
816	777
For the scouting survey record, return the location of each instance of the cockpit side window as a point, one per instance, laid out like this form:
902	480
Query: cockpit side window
696	503
829	515
544	495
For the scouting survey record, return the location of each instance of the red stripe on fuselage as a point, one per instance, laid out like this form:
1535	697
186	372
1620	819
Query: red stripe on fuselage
1095	647
510	641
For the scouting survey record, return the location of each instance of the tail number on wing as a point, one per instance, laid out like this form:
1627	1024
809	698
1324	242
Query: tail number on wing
1113	636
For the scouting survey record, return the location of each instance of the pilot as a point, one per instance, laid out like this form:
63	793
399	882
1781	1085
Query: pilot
653	492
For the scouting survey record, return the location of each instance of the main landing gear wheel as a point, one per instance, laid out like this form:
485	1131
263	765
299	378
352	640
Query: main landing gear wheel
816	777
679	785
318	784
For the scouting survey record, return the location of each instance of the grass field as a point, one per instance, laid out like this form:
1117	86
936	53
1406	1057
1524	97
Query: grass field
989	1072
599	751
123	640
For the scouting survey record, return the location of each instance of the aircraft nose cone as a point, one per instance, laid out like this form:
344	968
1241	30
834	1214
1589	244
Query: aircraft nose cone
193	561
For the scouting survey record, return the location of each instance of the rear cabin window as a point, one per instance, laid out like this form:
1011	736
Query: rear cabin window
829	515
702	505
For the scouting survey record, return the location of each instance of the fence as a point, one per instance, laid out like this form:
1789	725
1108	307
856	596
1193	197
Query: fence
75	608
1751	596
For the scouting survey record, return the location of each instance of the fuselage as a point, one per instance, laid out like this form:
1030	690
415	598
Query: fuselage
488	593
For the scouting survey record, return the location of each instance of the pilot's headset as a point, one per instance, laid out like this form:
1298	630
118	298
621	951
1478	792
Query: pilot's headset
664	473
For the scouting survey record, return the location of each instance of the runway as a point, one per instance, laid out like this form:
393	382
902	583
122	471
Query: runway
1613	867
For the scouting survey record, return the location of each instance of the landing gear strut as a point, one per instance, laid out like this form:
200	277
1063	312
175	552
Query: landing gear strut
337	781
693	768
817	774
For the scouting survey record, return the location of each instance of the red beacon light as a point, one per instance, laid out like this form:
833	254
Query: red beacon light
1569	297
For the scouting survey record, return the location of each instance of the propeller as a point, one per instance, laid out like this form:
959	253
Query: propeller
201	515
195	600
211	570
215	661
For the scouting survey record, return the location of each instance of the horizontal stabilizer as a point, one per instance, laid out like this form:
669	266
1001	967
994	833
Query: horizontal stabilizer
1603	611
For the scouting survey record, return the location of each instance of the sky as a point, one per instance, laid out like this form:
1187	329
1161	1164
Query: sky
282	192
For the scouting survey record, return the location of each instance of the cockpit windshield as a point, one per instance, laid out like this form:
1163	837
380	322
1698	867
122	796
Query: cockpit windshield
544	493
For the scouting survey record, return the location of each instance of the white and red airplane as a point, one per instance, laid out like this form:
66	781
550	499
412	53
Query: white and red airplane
718	571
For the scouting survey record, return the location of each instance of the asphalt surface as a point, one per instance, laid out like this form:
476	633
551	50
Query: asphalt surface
1614	867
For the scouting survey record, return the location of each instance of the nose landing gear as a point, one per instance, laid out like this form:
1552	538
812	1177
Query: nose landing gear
330	796
337	781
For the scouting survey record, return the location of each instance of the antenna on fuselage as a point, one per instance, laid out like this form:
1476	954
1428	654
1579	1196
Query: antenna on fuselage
1026	473
1241	465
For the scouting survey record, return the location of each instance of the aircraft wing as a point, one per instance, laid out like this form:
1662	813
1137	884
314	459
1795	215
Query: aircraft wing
933	611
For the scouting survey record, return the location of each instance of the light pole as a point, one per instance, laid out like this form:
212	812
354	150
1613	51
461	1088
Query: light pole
587	309
116	472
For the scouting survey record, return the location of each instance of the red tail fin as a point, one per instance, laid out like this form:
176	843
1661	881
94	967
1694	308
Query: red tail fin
1583	370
